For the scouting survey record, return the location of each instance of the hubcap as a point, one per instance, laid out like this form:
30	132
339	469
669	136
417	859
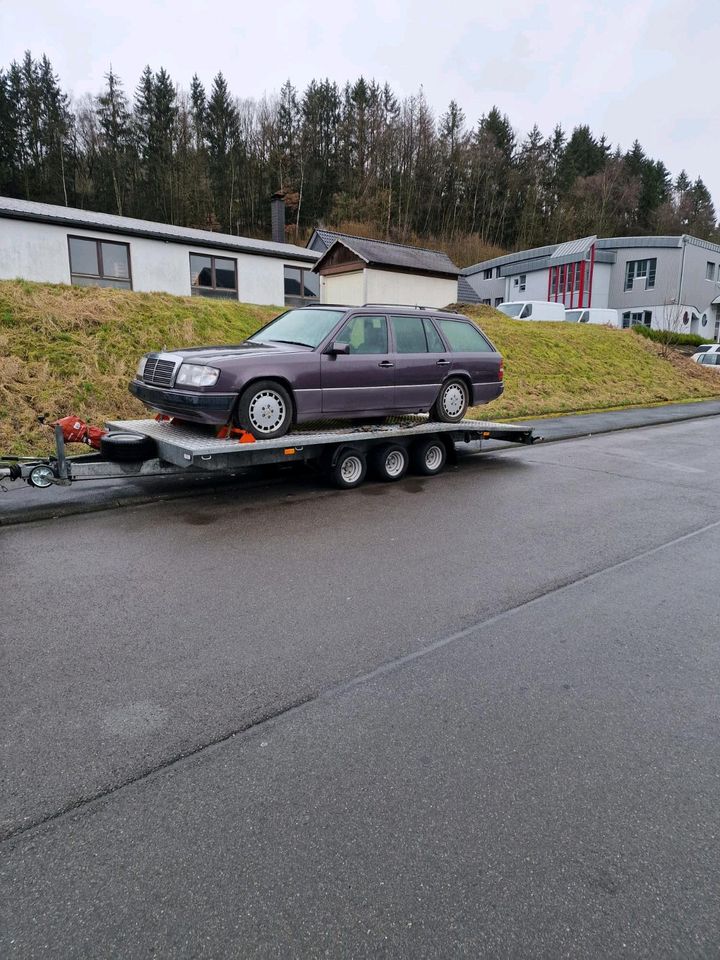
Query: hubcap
433	458
453	400
267	411
394	463
351	469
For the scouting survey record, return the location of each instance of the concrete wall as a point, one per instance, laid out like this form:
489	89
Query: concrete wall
345	288
386	286
39	251
667	278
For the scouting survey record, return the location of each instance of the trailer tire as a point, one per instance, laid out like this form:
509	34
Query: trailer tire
428	457
127	447
452	402
389	462
349	469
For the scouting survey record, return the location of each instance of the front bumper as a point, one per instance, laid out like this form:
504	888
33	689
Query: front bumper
196	407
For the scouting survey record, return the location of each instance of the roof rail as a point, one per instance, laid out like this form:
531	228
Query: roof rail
405	306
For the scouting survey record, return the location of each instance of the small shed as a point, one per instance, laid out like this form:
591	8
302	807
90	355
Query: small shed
356	270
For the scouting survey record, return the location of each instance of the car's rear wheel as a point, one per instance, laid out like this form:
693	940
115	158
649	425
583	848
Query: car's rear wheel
265	410
389	462
452	402
428	456
349	469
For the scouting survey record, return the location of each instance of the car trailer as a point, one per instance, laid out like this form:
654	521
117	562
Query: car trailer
161	447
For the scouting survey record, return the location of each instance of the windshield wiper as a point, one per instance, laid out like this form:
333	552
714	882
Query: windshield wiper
295	343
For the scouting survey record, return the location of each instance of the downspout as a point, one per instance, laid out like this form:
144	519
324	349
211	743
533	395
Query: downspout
682	273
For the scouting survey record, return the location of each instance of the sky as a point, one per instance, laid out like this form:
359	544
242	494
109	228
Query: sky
638	69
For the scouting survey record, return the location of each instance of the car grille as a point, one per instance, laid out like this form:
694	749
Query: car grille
158	372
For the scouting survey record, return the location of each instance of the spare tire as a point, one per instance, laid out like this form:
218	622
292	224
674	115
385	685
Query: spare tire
127	447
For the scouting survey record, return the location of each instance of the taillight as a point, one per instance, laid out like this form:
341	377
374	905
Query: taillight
501	371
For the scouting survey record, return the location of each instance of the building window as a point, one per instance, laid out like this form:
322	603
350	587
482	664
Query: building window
487	274
638	270
497	272
519	282
99	263
486	303
301	286
498	301
710	271
636	318
213	276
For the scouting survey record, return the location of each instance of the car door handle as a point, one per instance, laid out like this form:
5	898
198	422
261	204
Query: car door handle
443	362
386	363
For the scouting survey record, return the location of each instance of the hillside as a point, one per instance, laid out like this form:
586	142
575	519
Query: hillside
73	349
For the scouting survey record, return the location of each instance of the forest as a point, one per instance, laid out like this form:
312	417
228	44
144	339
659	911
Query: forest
354	156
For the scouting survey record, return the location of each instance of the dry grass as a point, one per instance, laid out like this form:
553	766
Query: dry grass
73	350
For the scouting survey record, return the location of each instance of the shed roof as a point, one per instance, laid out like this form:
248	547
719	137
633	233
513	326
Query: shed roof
383	253
150	229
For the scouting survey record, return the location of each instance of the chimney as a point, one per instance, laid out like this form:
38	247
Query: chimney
277	217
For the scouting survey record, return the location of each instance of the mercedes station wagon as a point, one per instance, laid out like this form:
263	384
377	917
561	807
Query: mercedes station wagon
328	362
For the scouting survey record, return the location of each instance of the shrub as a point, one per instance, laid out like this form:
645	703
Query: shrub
671	337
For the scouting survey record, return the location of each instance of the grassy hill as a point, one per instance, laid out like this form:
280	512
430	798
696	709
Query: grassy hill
73	349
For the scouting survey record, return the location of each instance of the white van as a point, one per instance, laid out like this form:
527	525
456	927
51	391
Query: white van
593	315
533	310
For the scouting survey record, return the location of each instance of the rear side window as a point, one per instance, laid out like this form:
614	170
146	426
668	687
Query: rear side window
463	337
409	335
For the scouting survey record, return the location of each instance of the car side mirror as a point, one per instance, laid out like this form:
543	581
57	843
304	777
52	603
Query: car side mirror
337	347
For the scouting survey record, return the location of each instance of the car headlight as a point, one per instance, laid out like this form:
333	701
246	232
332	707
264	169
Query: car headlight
140	368
194	375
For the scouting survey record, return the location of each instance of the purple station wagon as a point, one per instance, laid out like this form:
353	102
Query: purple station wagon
326	362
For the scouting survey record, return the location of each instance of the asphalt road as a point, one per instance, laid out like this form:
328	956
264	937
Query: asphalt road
475	715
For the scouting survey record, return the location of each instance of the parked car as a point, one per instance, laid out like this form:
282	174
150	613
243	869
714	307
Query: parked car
706	348
598	315
533	310
709	358
324	362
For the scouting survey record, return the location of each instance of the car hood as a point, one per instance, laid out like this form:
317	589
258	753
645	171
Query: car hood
210	355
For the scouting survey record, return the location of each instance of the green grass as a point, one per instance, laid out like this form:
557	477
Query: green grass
73	350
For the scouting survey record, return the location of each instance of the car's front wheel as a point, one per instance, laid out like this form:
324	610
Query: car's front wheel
452	402
265	410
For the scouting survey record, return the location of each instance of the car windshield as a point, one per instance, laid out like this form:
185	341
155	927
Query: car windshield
511	309
307	328
573	316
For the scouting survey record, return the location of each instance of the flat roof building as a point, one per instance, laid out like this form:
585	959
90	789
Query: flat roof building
655	281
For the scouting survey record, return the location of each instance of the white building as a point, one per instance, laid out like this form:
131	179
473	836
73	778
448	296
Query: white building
357	270
656	281
40	241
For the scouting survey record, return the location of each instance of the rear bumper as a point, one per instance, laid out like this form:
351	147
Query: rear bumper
196	407
485	392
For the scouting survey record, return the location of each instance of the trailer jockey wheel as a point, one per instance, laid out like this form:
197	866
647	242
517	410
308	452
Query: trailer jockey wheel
349	469
127	447
41	477
389	462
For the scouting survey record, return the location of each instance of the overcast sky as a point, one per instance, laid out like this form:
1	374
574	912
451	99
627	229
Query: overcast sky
644	69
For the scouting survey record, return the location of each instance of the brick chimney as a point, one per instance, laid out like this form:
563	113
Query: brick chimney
277	217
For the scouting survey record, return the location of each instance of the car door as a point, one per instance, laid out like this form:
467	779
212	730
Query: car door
472	355
363	379
421	362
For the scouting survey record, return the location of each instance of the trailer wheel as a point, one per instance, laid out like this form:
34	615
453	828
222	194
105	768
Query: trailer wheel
389	462
349	469
452	402
127	447
428	456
